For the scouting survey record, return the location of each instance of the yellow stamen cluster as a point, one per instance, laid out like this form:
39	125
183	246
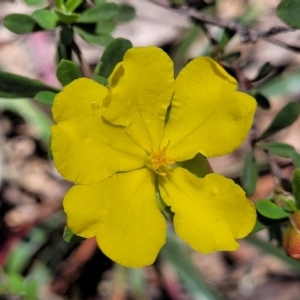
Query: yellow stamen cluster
158	161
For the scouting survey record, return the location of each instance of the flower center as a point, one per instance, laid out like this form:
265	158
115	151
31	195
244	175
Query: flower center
158	161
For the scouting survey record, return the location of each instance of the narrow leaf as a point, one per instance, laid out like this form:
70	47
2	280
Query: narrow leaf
270	210
66	17
15	86
112	55
45	18
100	80
288	11
34	2
126	13
45	97
71	5
262	101
249	175
231	57
20	24
102	12
105	27
296	186
70	237
284	118
66	72
102	40
282	150
263	72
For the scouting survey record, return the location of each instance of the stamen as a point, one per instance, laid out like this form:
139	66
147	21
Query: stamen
158	161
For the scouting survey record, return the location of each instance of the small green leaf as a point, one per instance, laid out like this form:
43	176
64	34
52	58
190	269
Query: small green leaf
282	150
60	4
288	11
284	118
102	12
105	27
66	17
34	2
66	72
103	81
198	165
15	86
45	18
296	186
45	97
270	210
249	175
112	55
16	282
102	40
263	72
20	24
231	57
71	5
262	101
225	38
70	237
126	13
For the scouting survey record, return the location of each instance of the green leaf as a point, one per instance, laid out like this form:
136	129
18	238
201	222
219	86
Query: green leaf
71	5
45	97
262	101
34	2
263	72
102	12
16	282
112	55
288	11
296	186
282	150
15	86
249	175
284	118
102	40
45	18
70	237
66	17
231	57
126	13
20	24
198	165
100	80
60	4
270	210
105	27
225	38
66	72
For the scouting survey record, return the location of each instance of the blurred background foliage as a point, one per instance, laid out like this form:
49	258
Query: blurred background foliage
44	45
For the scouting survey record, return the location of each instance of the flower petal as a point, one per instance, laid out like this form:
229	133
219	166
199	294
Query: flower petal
207	116
122	212
210	212
140	91
85	147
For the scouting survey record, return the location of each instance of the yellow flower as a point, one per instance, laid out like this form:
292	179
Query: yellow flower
119	144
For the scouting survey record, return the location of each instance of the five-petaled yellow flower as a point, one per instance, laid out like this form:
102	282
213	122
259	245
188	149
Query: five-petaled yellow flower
120	144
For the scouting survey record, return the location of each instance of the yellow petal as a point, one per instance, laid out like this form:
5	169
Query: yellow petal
122	213
207	116
140	91
210	213
85	147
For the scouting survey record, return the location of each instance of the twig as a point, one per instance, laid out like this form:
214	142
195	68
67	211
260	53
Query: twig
84	66
247	35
